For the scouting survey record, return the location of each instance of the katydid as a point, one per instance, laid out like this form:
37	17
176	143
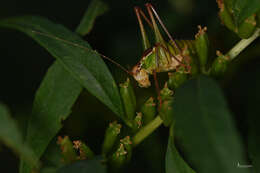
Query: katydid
162	57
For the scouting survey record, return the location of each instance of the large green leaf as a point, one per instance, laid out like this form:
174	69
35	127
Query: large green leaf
56	71
52	105
95	9
174	163
244	8
75	56
85	166
206	129
254	121
12	137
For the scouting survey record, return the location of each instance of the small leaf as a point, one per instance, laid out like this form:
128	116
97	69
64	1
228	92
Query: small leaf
205	128
174	163
11	137
74	54
52	104
85	166
95	9
244	8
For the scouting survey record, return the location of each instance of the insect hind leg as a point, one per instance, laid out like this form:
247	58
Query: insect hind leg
140	13
151	8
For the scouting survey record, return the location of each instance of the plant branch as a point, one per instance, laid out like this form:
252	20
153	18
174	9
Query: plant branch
146	130
241	45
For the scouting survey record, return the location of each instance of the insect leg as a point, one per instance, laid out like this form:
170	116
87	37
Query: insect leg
155	77
138	11
157	89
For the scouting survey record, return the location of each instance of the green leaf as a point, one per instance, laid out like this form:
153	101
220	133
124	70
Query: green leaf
74	54
244	8
95	9
85	166
12	137
173	161
206	129
253	113
56	72
52	104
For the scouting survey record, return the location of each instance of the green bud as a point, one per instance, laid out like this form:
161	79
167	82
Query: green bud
68	152
247	28
128	97
118	158
111	135
219	65
166	112
166	93
176	79
128	146
148	110
202	46
84	151
137	124
226	16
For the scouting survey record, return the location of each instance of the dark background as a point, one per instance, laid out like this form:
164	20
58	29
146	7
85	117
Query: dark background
23	64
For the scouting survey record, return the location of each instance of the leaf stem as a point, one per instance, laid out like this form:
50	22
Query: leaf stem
241	45
146	130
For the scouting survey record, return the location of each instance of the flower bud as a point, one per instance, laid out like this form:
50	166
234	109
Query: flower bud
226	16
111	135
220	64
118	158
202	46
166	112
176	79
129	100
166	93
247	28
128	146
138	121
148	110
68	152
84	151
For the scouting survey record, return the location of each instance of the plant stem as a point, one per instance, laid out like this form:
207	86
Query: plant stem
147	130
241	45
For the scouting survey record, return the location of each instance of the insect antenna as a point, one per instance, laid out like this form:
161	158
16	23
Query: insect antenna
163	26
84	48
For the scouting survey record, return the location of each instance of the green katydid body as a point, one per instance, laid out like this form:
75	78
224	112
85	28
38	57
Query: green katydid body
162	59
164	56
